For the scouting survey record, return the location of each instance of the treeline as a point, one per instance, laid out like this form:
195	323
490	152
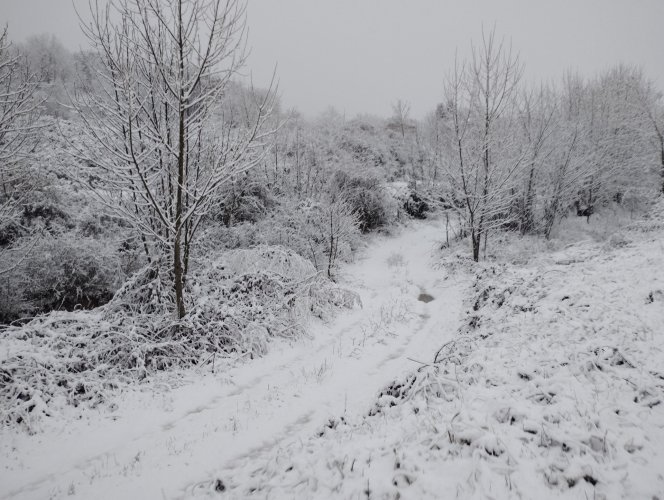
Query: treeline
496	154
506	155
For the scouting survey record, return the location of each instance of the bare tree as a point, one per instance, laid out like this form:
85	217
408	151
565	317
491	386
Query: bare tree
537	116
570	162
158	132
481	170
47	57
401	116
650	101
656	116
561	178
341	224
616	134
19	111
599	149
330	227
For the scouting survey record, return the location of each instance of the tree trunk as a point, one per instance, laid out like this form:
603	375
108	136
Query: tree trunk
476	241
178	270
331	256
662	160
179	278
527	215
550	214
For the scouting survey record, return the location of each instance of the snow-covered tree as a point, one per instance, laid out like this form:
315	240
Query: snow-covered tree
18	129
537	118
617	131
49	58
400	120
567	164
650	100
160	138
483	155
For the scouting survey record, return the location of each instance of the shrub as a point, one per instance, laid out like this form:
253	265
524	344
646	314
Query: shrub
45	213
325	232
415	206
60	273
239	300
80	273
366	197
10	232
246	201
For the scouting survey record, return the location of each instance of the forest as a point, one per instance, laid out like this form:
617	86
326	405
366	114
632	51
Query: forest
161	216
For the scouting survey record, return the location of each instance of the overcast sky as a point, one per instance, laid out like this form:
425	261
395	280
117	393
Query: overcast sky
362	55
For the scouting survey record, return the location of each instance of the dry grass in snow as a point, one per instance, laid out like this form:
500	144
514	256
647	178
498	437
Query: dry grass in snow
553	388
240	300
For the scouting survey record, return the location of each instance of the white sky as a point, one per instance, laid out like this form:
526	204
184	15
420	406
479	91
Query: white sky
362	55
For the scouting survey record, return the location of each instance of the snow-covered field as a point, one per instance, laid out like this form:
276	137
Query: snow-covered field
538	380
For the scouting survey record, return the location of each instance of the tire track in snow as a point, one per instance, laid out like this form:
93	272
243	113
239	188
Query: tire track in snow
383	371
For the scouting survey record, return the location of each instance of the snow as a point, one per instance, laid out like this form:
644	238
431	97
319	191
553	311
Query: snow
553	388
163	442
537	374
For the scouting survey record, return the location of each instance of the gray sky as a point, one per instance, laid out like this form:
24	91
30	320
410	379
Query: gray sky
362	55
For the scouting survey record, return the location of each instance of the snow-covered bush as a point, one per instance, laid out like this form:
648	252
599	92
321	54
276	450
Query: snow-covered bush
416	206
332	227
244	201
368	199
10	231
324	232
653	220
238	301
413	202
71	273
60	273
43	210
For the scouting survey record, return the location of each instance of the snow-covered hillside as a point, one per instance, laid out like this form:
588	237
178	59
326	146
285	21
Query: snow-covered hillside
552	388
453	380
172	442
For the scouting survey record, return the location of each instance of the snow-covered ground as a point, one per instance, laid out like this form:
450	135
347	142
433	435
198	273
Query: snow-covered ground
539	374
173	443
552	388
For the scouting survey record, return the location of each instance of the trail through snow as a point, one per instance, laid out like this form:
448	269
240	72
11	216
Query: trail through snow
163	443
552	388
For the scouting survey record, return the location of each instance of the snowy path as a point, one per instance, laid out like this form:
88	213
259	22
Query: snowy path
553	389
171	444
